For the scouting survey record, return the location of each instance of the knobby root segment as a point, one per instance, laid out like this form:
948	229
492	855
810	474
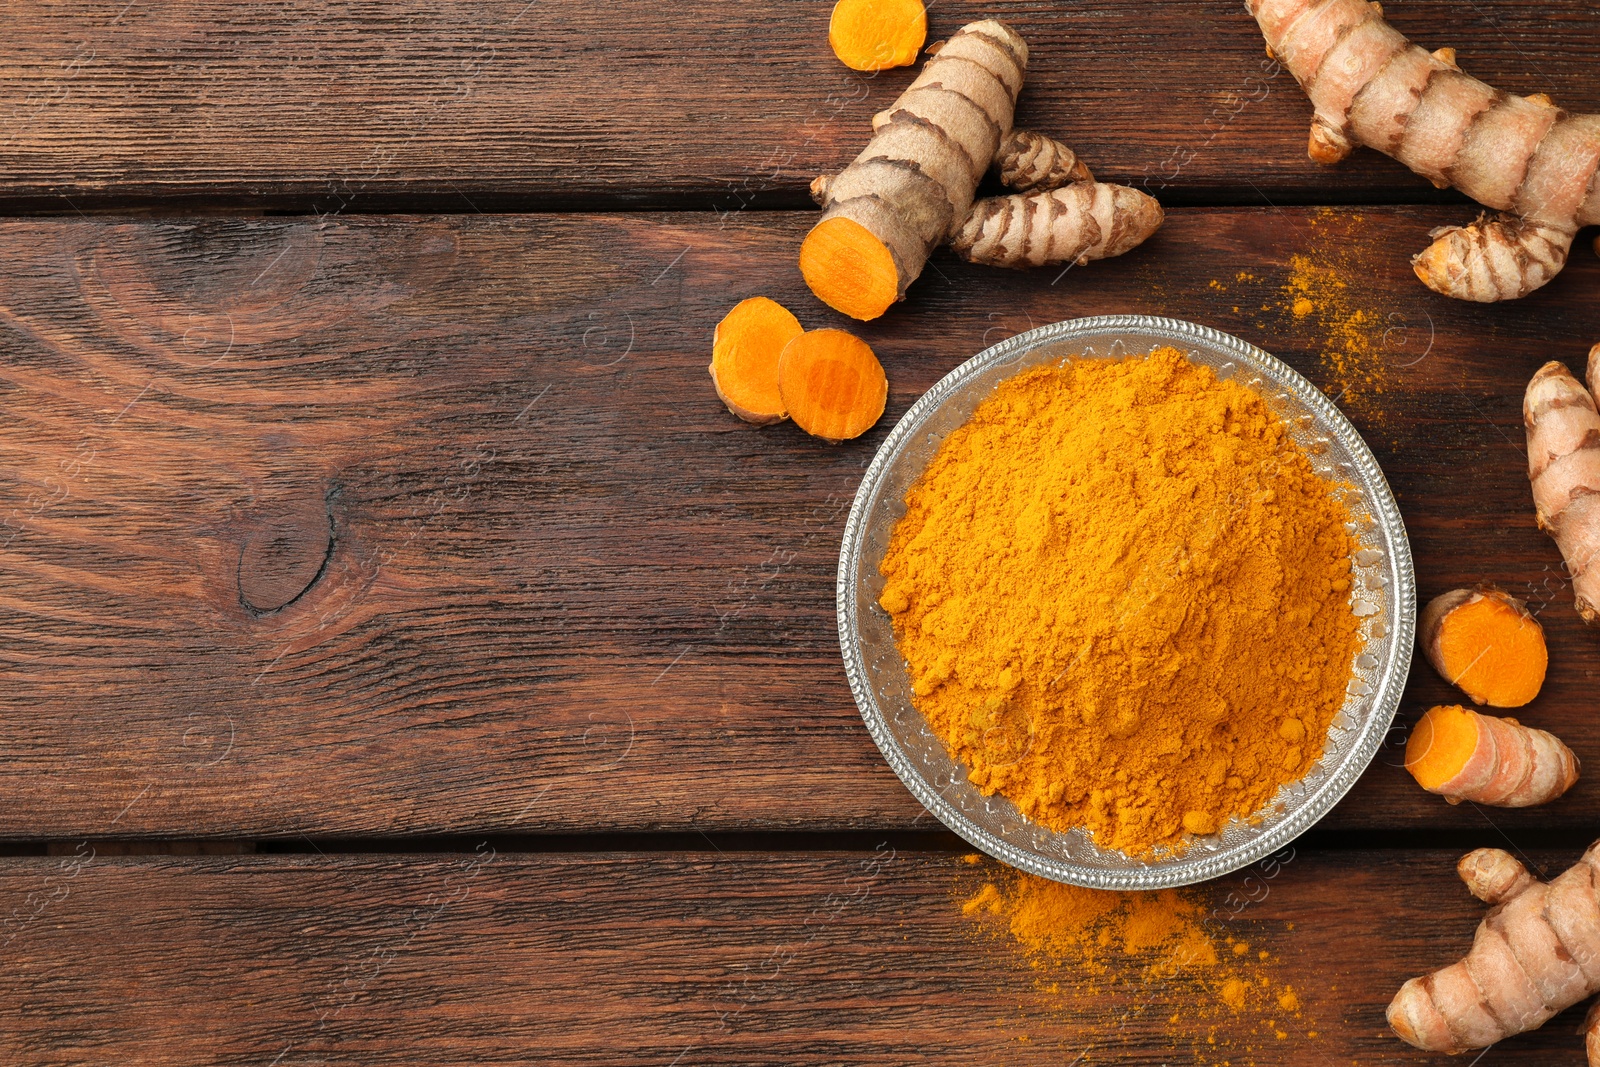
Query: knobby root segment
1493	875
877	34
914	182
1520	155
1462	755
1029	162
832	385
1536	953
745	350
1074	224
1485	642
1564	467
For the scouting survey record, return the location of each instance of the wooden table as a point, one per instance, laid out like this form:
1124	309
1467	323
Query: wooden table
408	661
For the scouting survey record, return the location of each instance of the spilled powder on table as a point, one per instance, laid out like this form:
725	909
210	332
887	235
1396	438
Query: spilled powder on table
1328	296
1150	951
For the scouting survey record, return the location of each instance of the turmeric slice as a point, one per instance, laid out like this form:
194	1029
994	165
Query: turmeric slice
744	358
1485	642
1462	755
877	34
849	268
832	385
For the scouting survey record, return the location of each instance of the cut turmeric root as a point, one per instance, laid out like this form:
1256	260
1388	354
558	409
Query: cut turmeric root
832	385
1462	755
877	34
849	268
1485	642
745	350
914	182
912	188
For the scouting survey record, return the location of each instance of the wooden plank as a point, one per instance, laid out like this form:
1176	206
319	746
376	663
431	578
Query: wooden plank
696	958
512	105
434	525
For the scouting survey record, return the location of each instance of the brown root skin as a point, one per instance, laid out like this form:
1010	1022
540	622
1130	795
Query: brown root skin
1536	953
914	182
1486	643
1026	161
1522	156
1075	224
1031	162
1591	1034
1564	469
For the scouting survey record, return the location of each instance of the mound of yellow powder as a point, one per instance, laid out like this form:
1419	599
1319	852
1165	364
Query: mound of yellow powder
1123	593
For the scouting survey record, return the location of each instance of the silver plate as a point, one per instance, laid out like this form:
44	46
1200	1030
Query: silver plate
1383	593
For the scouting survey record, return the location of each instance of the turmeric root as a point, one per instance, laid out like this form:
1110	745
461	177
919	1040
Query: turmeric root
914	182
1536	953
912	188
877	34
1029	162
1462	755
1074	224
745	350
832	385
1564	467
1485	642
1524	156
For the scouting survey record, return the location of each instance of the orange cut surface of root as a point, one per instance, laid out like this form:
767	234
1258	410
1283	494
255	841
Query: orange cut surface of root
849	269
1493	652
877	34
832	384
745	350
1440	746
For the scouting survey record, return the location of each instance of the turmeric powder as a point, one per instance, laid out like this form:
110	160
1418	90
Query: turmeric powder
1091	928
1082	945
1123	595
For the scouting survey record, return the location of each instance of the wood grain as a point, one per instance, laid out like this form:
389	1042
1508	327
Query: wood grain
513	105
434	525
692	958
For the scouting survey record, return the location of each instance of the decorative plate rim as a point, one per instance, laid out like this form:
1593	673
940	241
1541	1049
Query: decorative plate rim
1182	869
